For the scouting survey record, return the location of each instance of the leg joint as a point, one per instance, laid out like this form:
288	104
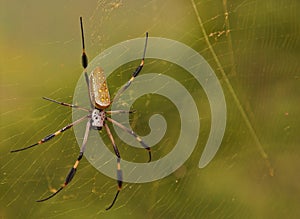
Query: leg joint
80	156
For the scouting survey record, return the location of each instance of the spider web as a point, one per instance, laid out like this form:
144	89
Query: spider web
253	47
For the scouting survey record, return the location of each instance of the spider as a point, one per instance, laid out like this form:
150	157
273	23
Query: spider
96	117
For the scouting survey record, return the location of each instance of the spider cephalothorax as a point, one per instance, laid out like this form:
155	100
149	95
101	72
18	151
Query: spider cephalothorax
97	119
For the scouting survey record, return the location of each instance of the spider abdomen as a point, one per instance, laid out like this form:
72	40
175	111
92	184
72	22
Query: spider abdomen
98	89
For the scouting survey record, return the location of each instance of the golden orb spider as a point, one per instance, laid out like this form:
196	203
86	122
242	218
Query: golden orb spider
97	116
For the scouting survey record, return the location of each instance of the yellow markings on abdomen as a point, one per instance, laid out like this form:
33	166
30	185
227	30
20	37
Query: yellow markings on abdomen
98	89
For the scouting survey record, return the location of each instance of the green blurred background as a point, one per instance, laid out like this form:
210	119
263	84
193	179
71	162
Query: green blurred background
254	49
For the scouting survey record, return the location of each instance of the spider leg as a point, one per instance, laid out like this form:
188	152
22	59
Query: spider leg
119	111
119	171
84	59
49	137
72	172
74	168
88	86
66	104
129	131
135	73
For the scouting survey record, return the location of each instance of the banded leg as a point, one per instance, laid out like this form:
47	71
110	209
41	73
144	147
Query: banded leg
84	61
49	137
134	74
66	104
88	86
119	171
119	111
74	168
133	134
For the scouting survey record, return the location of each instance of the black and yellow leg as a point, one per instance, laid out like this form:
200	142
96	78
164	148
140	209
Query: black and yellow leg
66	104
49	137
116	150
129	131
68	178
119	171
119	111
72	172
135	73
84	59
119	181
